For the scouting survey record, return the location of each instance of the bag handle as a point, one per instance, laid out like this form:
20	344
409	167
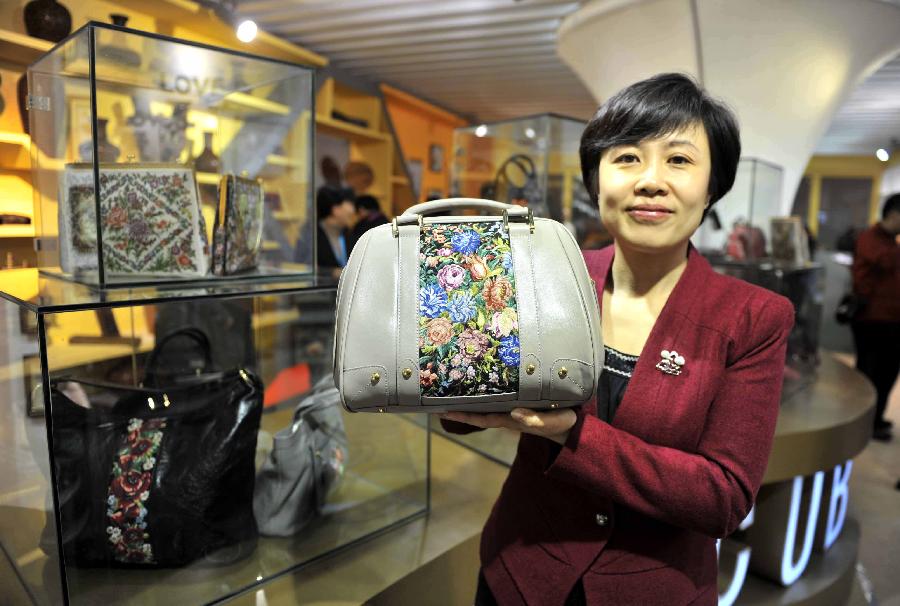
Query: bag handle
195	334
433	206
509	212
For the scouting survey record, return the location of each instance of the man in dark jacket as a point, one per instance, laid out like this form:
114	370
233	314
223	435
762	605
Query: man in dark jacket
876	331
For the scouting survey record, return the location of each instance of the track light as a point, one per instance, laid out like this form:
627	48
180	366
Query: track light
246	31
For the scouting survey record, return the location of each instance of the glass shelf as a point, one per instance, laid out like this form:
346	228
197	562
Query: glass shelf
40	292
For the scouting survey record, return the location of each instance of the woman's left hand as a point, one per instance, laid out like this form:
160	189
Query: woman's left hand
553	425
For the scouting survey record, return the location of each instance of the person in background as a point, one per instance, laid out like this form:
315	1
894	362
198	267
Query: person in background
359	177
336	214
876	330
331	172
368	215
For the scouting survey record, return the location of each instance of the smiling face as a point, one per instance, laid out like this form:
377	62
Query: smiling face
652	194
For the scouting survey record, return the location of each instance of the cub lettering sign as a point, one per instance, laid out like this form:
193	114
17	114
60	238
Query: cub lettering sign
790	520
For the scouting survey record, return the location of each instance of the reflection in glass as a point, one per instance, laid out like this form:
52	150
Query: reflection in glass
145	106
199	447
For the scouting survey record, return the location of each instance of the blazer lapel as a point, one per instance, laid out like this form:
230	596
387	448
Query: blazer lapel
646	381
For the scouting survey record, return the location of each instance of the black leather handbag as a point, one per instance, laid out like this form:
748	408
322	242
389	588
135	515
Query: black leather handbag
158	475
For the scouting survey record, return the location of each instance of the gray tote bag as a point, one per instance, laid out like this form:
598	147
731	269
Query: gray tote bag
307	461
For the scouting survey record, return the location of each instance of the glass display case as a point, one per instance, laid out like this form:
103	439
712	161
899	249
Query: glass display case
804	286
530	161
739	225
184	443
156	159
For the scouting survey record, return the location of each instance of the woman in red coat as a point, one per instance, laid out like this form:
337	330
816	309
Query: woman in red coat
620	501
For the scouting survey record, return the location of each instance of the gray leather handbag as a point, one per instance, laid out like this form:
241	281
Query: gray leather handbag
475	313
307	461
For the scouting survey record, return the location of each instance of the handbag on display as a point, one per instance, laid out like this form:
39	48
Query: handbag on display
237	237
517	180
476	313
789	241
150	220
307	461
158	475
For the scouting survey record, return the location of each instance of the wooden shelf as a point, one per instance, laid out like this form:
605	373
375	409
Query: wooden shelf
15	151
278	160
21	49
268	319
17	231
399	180
351	131
251	102
208	178
282	215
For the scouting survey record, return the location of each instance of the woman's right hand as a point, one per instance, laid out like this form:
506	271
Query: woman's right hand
553	424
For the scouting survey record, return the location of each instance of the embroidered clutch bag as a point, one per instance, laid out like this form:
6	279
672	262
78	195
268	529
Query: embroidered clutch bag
239	225
483	313
151	222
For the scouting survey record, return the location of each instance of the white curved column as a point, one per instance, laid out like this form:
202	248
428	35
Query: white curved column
784	66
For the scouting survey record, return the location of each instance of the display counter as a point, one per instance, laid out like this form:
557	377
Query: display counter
824	421
374	545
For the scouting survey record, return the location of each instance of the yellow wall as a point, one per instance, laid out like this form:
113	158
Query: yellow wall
820	167
419	125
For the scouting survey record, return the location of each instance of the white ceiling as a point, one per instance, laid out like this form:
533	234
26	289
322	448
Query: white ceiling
870	118
495	59
484	59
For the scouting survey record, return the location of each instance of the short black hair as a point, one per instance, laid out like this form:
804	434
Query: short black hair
891	205
329	197
367	202
656	107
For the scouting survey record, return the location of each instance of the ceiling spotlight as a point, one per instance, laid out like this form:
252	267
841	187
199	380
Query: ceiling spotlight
481	131
246	31
882	155
529	132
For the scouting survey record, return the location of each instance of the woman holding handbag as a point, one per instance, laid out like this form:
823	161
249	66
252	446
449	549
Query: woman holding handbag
620	501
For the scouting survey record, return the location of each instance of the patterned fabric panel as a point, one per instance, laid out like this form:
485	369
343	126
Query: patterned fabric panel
150	222
129	492
468	323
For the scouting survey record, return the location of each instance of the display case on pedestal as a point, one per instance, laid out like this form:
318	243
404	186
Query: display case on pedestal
157	159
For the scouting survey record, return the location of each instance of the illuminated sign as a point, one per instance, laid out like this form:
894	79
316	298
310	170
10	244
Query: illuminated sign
778	536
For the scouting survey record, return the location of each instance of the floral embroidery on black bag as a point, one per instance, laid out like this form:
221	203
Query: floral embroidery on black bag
129	492
468	323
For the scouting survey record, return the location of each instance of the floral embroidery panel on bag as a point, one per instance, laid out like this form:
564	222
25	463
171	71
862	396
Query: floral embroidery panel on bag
129	492
151	221
468	323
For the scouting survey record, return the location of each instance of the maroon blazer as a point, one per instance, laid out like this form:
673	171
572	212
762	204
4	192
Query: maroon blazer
634	507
